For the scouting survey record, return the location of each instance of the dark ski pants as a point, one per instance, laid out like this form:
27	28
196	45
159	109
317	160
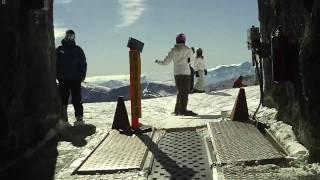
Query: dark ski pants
192	79
183	86
73	86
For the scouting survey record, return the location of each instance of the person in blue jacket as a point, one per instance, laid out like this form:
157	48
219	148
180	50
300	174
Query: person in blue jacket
71	72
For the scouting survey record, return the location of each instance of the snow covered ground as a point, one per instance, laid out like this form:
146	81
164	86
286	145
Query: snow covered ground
157	113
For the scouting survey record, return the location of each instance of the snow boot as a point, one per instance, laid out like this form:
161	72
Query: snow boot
63	124
198	91
188	113
175	113
63	121
79	121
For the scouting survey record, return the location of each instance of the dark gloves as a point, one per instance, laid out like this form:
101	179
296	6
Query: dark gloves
205	72
197	74
192	70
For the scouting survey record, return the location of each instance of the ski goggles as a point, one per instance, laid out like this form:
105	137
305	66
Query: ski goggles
70	37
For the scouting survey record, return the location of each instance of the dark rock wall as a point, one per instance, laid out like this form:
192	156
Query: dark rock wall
28	102
298	101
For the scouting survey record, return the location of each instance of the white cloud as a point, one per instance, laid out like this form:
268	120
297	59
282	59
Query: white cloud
62	1
59	32
131	11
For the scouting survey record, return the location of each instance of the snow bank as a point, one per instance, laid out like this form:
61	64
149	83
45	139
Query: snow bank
297	150
284	134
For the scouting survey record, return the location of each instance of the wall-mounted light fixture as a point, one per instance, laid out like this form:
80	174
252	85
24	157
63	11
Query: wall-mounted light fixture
3	2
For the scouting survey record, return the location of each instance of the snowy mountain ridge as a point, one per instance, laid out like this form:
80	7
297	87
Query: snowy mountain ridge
227	72
108	88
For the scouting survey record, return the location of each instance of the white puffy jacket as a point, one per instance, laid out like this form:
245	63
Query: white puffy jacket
180	54
199	64
201	81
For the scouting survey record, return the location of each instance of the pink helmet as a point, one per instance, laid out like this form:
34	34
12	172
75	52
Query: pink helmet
181	38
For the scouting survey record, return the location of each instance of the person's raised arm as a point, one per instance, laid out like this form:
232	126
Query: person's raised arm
167	59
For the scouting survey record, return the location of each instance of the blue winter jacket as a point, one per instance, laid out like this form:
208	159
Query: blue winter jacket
71	61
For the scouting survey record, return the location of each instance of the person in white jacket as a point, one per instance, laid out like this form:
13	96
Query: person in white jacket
201	71
181	55
191	64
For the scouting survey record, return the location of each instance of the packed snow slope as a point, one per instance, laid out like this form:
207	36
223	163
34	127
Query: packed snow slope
157	113
108	88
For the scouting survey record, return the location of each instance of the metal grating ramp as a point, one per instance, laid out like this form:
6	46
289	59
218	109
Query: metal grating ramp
241	174
117	152
181	155
237	142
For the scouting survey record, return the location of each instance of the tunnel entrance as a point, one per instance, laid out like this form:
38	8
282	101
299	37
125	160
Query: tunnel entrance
30	106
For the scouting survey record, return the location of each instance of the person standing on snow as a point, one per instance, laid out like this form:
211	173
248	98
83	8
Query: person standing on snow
201	71
238	83
71	72
180	54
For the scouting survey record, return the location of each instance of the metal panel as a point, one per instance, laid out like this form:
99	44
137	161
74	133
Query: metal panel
181	155
238	142
240	174
117	152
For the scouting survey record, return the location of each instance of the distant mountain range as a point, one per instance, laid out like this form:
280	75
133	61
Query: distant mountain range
108	88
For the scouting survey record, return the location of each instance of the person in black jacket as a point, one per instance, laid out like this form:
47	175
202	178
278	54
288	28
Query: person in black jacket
238	83
71	71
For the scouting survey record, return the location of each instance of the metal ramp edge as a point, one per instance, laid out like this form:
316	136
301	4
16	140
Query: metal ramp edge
228	170
240	142
107	158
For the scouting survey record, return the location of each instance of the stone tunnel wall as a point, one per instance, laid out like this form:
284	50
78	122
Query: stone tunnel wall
29	105
297	101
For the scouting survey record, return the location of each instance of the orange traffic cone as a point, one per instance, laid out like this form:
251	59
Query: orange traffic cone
121	120
240	109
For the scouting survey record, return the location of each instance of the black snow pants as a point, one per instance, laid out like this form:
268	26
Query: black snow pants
183	86
192	79
73	86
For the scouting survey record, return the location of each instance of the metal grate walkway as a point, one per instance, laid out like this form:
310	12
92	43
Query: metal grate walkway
233	173
181	155
117	152
239	142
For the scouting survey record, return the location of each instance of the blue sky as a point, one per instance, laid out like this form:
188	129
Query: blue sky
103	28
